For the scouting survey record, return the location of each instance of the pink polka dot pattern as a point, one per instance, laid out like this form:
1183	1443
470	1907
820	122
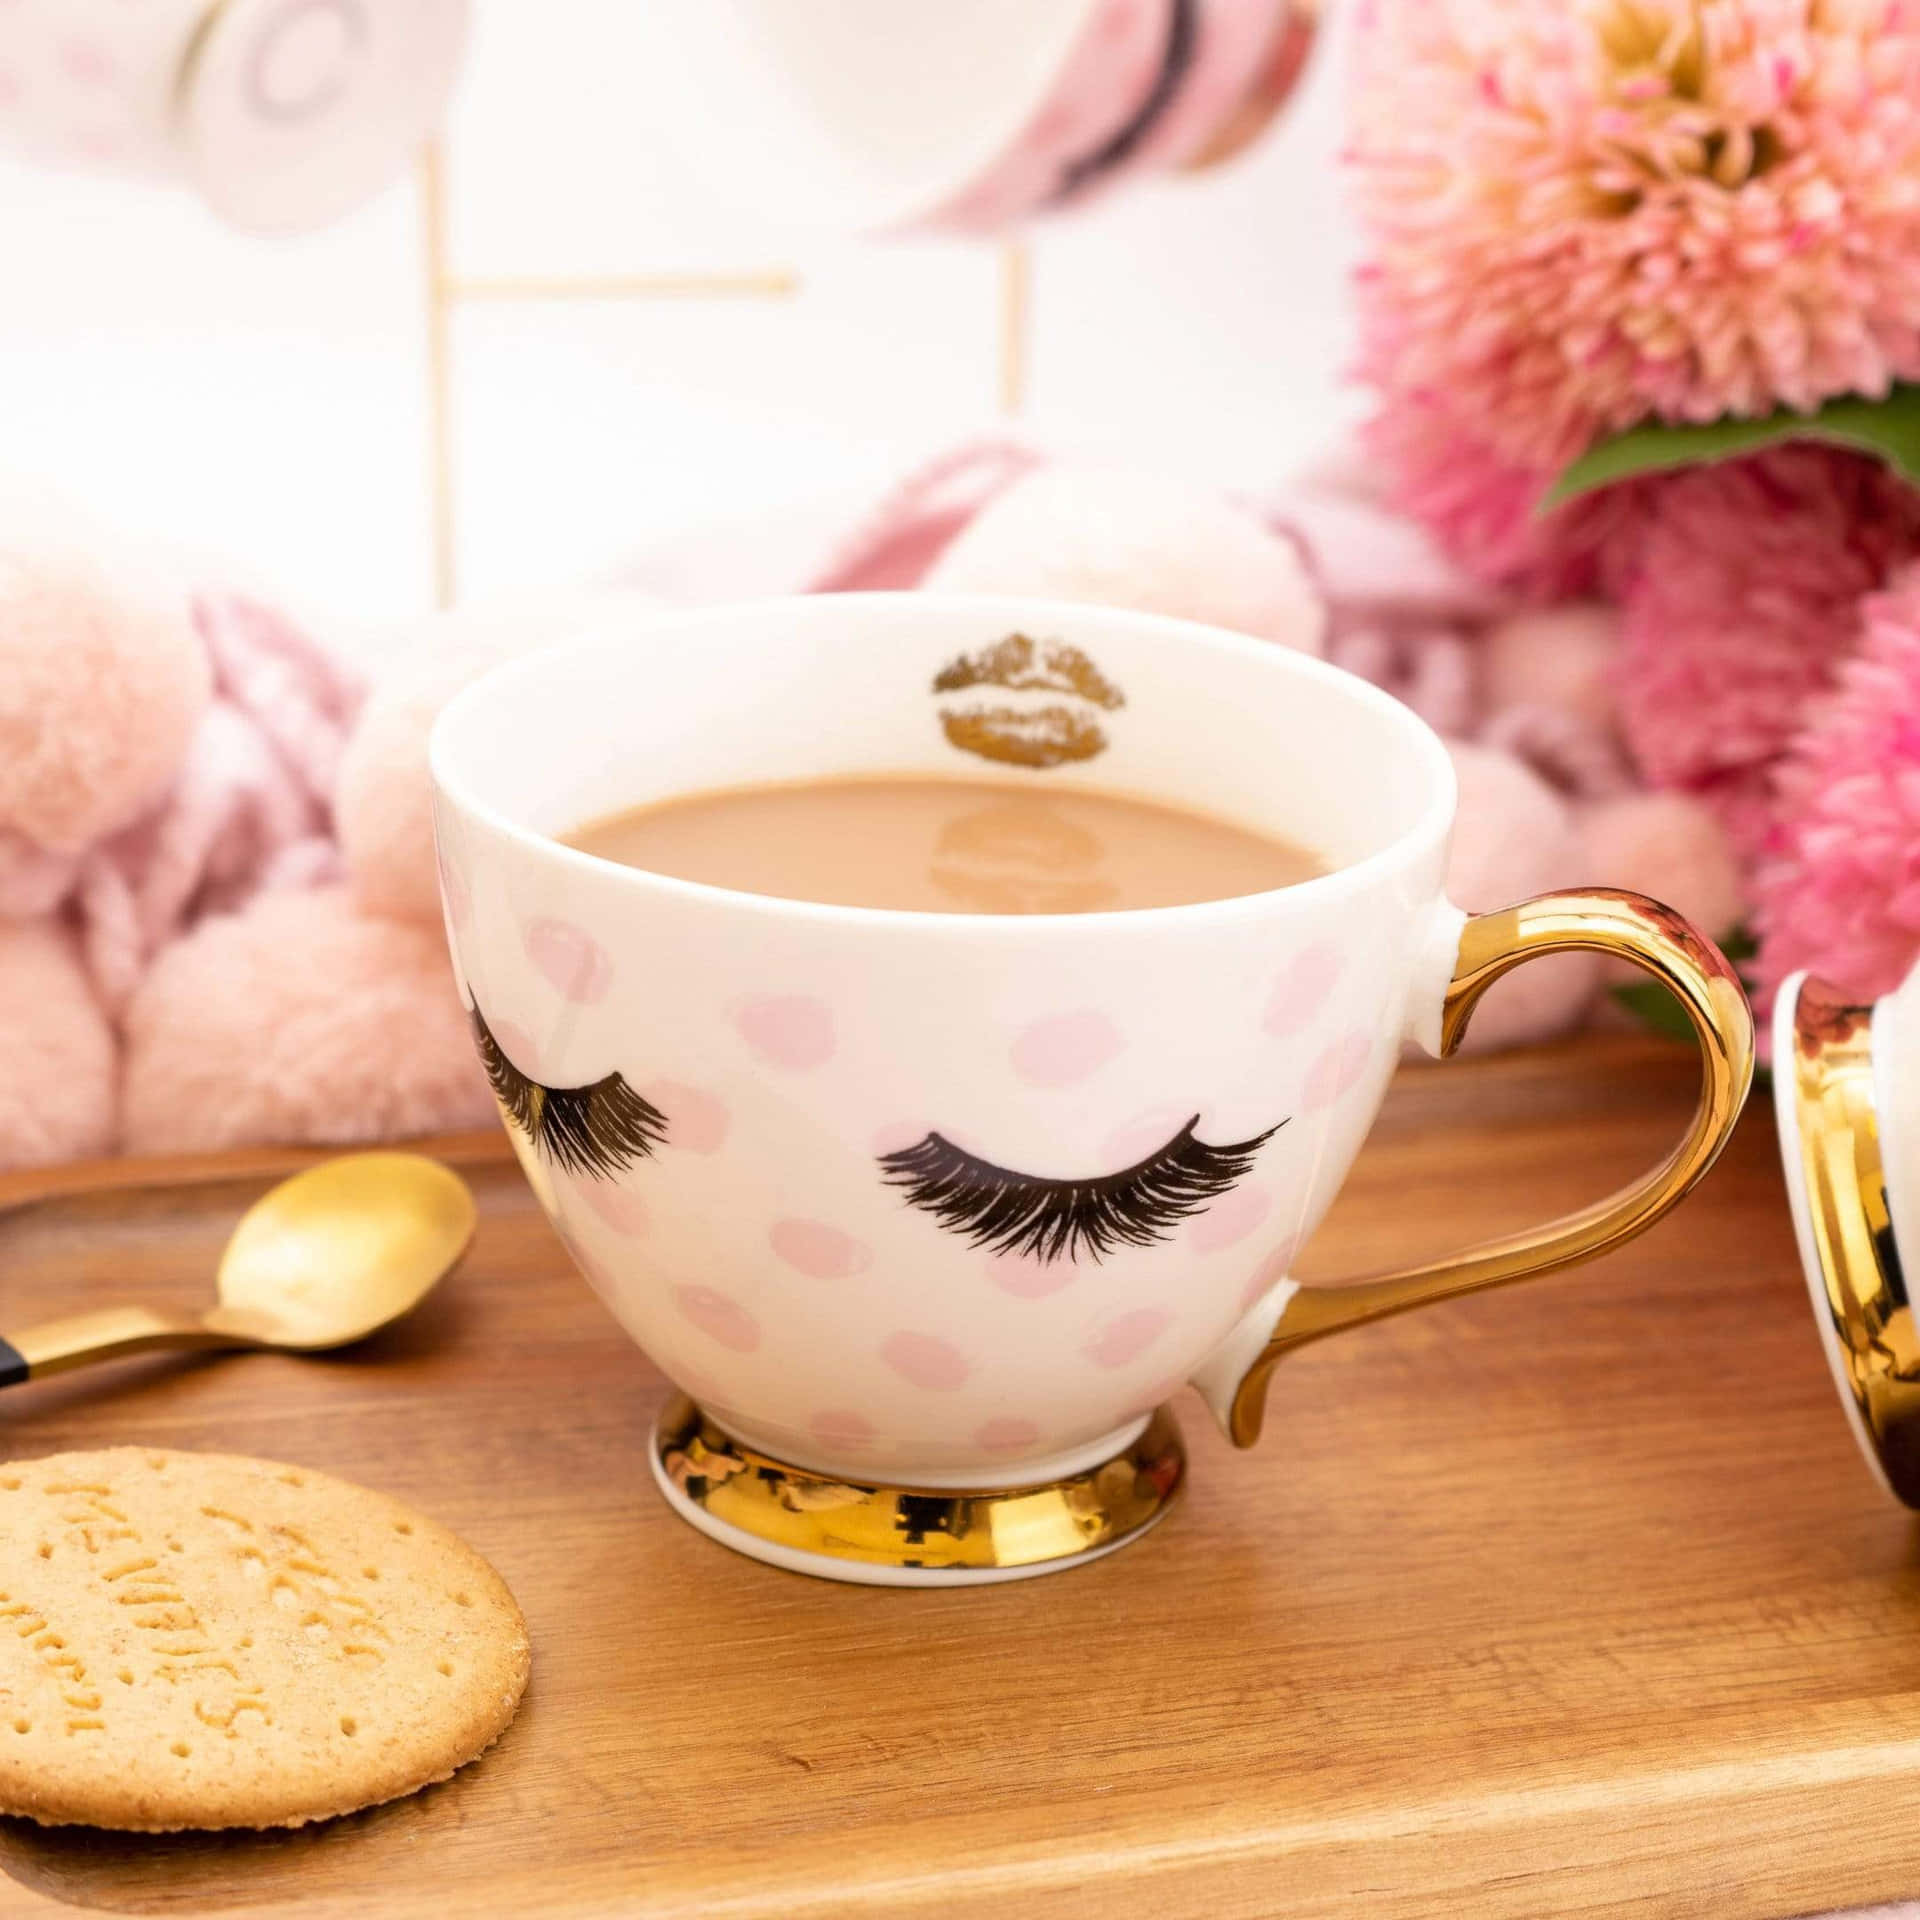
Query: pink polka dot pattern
1028	1279
1229	1219
697	1122
1124	1339
841	1429
1005	1435
719	1316
787	1030
1339	1070
619	1207
87	63
10	88
1302	991
925	1360
1065	1048
819	1251
571	960
1127	1146
1270	1272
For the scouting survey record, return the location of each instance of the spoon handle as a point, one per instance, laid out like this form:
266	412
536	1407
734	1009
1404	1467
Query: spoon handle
57	1345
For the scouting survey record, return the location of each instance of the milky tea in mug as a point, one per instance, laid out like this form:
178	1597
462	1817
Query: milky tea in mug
934	1132
921	844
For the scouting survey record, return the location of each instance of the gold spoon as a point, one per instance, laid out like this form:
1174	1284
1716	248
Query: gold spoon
321	1260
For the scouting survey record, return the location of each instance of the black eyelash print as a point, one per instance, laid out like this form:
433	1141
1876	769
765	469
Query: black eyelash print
1047	1220
597	1129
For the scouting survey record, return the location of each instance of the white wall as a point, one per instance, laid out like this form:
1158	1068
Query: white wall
266	400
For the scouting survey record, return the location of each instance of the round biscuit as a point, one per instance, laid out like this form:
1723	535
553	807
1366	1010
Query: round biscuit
196	1640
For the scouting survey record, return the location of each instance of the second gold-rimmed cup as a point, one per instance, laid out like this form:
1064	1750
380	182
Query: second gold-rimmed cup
1846	1095
722	1099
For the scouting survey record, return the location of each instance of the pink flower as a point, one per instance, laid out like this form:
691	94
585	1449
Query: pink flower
1841	894
1583	216
1740	606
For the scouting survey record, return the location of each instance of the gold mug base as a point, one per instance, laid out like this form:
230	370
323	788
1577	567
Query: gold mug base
879	1535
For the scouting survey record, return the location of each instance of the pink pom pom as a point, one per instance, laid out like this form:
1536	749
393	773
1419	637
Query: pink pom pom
299	1019
1840	893
99	696
1546	678
1669	845
56	1052
1558	657
1428	668
383	809
1514	837
1126	539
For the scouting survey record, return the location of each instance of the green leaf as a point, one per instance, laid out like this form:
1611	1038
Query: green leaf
1739	946
1888	429
1656	1010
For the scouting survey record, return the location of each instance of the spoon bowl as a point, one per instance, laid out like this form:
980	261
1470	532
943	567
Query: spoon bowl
323	1259
339	1251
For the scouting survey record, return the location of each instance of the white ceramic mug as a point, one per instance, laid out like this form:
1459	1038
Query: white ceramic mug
807	1114
281	114
914	115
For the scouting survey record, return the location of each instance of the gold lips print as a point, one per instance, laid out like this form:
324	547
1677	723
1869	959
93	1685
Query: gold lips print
1028	736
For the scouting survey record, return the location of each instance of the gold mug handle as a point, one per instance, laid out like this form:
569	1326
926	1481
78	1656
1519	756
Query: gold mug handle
1626	926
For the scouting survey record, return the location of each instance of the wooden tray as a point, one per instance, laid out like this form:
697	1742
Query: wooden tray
1572	1599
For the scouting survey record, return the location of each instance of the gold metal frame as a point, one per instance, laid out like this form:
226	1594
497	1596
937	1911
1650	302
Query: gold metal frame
445	291
987	1532
1875	1342
186	73
1625	926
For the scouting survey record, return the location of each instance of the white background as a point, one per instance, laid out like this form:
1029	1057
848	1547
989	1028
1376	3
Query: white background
264	402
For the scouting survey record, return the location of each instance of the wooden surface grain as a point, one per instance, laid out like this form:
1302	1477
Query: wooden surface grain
1572	1599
